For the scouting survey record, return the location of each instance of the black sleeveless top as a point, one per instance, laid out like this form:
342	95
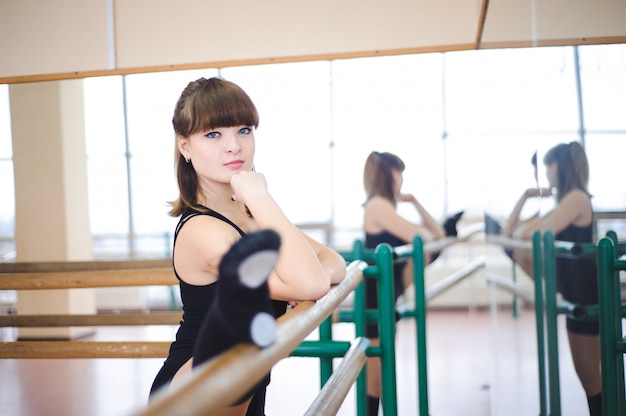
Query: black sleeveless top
197	301
373	240
577	277
371	287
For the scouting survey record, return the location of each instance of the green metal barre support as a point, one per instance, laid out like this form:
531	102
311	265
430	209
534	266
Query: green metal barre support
574	310
326	363
618	250
359	327
551	324
612	348
419	284
325	349
419	313
539	322
350	316
613	403
387	328
383	271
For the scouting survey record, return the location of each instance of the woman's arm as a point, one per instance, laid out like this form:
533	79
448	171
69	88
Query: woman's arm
333	263
380	215
513	222
428	221
299	273
574	208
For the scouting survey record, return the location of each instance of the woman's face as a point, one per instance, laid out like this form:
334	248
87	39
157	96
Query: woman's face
552	171
397	181
218	154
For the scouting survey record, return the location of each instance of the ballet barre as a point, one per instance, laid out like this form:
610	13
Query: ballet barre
333	393
417	250
78	275
219	382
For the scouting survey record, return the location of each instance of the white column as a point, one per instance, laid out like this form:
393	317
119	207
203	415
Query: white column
51	215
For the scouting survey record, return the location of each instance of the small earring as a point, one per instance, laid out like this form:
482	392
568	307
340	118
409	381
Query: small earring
187	159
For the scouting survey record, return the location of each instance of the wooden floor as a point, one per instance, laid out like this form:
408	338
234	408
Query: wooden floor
480	362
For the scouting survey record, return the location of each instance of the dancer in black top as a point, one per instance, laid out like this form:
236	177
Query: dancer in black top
576	279
222	199
382	179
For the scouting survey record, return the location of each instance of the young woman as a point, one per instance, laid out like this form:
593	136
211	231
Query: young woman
571	220
222	200
382	179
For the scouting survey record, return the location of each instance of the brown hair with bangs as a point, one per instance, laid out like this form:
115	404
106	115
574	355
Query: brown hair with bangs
572	167
378	177
205	104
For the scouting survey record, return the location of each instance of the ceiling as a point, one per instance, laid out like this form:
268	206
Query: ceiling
66	39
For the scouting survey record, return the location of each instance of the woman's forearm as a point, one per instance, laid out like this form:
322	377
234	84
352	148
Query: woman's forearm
299	269
511	223
428	221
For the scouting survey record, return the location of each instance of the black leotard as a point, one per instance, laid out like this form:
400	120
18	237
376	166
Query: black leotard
196	302
577	278
371	285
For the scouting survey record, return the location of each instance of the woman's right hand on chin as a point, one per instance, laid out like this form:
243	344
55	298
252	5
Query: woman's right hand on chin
534	192
246	185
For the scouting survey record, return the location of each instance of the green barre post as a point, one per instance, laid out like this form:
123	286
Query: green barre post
329	349
539	320
387	328
549	267
359	327
618	250
326	363
419	283
610	322
608	339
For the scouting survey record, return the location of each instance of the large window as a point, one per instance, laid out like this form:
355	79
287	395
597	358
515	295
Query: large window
7	191
465	123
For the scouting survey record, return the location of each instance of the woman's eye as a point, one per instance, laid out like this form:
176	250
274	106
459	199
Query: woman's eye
212	134
245	130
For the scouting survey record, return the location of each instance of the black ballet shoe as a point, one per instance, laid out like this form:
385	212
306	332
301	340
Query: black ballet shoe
243	290
595	405
449	225
434	256
493	227
241	310
372	405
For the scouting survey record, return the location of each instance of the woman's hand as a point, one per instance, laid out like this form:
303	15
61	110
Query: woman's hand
407	198
247	185
534	192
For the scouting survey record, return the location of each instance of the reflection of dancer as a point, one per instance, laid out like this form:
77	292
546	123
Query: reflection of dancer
383	182
493	227
571	220
224	264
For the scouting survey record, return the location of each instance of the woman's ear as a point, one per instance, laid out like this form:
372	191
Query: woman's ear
183	146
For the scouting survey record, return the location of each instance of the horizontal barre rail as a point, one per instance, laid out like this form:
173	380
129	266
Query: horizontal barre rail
574	249
82	266
158	318
509	285
509	242
88	279
452	279
83	349
438	245
219	382
331	397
